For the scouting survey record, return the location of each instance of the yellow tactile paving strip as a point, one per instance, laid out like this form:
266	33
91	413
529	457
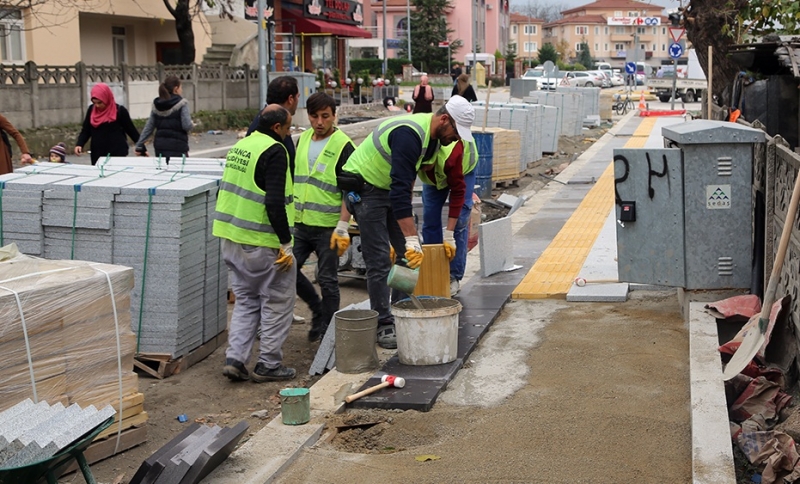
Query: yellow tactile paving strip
560	263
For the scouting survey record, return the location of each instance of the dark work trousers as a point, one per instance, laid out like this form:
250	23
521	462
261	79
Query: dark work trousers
377	226
308	239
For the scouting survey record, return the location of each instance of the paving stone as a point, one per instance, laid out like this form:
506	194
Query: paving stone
215	453
417	395
443	372
496	234
611	292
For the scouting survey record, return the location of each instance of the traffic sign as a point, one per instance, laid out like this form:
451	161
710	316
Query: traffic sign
630	68
676	33
675	50
445	44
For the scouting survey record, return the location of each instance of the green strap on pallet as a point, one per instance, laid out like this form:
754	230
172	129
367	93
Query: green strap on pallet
144	266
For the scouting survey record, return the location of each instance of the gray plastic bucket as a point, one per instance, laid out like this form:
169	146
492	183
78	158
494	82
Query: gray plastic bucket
427	336
356	335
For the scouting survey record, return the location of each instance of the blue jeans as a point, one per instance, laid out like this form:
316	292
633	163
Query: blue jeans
378	228
433	202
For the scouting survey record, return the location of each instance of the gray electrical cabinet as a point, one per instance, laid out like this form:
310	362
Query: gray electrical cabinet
685	211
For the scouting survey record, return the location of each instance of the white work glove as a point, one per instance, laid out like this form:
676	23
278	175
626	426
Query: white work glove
414	253
285	257
340	238
449	242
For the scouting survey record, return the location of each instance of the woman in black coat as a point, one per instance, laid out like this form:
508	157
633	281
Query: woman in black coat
106	123
170	120
464	89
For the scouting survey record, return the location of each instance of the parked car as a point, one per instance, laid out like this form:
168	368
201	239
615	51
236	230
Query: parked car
583	79
542	83
605	79
616	77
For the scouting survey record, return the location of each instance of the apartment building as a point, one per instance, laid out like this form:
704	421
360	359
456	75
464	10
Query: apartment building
525	36
100	32
614	30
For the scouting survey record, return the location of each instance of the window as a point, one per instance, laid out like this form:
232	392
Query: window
663	47
619	46
655	30
12	41
531	47
663	31
597	31
606	30
642	47
605	47
633	14
581	30
640	30
514	29
579	47
596	47
618	13
512	47
530	30
118	44
654	48
619	29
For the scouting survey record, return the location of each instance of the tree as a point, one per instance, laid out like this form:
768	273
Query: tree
184	11
564	50
541	10
723	23
548	53
511	56
428	28
584	56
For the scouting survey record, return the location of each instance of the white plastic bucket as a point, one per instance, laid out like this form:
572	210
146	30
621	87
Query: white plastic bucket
427	336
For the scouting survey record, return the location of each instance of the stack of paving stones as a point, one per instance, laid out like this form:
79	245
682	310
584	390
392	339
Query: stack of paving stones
31	433
196	166
191	456
591	103
570	109
525	118
100	214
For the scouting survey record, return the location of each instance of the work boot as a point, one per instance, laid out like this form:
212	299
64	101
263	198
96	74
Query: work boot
318	327
387	337
235	370
261	373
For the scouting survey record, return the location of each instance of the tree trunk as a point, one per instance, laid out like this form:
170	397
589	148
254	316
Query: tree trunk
704	21
183	27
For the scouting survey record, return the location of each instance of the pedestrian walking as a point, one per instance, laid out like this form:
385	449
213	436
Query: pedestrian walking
321	221
455	72
6	155
379	177
453	176
171	121
106	124
254	216
423	96
464	89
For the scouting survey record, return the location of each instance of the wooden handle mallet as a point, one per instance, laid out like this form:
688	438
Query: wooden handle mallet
581	281
386	381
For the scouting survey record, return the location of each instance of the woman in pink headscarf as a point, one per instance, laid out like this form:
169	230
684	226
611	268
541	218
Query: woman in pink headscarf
106	123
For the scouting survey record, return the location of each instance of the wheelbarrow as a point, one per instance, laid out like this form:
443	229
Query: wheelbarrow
49	469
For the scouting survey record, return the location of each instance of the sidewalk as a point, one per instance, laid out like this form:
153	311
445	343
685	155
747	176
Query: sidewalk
554	392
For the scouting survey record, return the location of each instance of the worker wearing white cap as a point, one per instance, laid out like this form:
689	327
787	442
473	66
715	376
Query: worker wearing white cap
378	179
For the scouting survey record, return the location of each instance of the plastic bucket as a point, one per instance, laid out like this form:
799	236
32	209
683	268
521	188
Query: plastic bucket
484	142
356	335
295	406
427	336
402	278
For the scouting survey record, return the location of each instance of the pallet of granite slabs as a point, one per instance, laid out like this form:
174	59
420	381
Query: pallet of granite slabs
197	166
548	130
498	117
591	102
570	109
527	119
172	314
72	331
215	292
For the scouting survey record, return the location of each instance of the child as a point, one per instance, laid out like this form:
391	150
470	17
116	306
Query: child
58	153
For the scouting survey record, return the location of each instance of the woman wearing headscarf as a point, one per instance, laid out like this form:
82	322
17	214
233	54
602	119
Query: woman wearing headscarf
464	89
6	158
171	121
106	123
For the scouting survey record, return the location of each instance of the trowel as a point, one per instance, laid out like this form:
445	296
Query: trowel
755	338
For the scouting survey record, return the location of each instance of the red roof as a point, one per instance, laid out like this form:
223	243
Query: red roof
609	4
517	18
578	19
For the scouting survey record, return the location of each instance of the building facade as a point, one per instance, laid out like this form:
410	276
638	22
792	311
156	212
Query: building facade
525	36
615	31
100	32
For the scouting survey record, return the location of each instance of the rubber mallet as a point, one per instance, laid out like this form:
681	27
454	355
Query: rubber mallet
386	381
580	281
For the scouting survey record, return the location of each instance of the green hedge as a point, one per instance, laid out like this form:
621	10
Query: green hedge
375	66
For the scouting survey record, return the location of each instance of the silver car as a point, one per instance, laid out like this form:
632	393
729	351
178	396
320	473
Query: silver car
543	83
584	79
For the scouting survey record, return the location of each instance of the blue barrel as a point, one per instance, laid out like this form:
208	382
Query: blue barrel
483	172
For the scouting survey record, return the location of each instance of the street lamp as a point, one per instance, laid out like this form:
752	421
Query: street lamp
385	53
408	27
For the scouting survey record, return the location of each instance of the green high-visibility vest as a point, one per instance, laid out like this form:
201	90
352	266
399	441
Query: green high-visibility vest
317	199
373	157
468	163
241	215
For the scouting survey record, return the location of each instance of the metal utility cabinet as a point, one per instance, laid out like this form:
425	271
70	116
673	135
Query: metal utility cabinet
685	211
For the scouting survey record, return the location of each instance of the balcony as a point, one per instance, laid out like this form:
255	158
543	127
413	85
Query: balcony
621	54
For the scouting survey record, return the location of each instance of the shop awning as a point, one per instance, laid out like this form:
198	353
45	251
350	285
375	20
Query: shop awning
314	26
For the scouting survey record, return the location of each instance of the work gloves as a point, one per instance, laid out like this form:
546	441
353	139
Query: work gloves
392	253
285	257
414	253
449	242
340	238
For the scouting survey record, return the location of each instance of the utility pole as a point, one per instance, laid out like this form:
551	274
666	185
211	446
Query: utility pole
385	50
408	27
262	56
475	41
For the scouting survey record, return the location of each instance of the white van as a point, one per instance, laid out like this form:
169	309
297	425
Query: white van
603	66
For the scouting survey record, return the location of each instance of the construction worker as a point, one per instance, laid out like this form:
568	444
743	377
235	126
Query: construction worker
254	216
452	175
321	221
379	178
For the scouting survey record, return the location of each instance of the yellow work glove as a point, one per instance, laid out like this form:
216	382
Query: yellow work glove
449	242
414	253
285	257
392	253
340	238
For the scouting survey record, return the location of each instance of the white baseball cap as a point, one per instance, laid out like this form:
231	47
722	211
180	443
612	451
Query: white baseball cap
463	114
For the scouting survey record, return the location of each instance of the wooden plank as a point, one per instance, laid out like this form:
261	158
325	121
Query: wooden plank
136	421
171	367
105	448
199	354
140	365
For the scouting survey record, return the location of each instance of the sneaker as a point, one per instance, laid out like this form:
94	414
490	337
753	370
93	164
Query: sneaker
455	286
298	319
261	373
235	370
387	337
